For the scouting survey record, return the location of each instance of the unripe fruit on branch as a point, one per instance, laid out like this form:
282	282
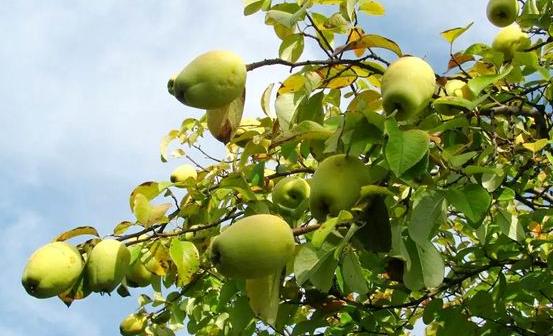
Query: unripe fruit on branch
510	40
52	269
336	185
502	12
290	192
212	80
137	274
106	266
407	86
182	173
253	247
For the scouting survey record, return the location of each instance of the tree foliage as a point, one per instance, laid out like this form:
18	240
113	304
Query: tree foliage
456	229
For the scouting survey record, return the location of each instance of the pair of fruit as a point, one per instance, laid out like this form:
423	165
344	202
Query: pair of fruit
214	81
55	267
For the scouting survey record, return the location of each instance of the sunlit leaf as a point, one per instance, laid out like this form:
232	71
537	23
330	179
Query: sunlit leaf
186	258
371	7
536	146
472	200
373	41
404	148
78	231
451	35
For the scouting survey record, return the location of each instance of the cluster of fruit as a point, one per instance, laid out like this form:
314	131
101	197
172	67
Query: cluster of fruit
257	246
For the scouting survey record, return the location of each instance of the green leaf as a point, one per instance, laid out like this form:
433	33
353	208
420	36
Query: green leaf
238	183
451	35
376	234
322	274
458	102
305	260
481	304
240	315
263	295
473	170
431	310
285	107
404	148
186	258
352	273
477	84
305	130
427	216
432	265
253	6
472	200
426	268
291	47
328	226
510	226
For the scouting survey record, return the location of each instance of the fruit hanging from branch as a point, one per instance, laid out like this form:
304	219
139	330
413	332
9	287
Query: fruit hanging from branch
502	12
107	265
52	269
510	40
407	87
336	185
212	80
253	247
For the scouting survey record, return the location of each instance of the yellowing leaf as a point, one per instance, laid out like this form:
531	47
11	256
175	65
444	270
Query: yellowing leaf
355	35
157	259
458	59
373	41
147	214
78	231
163	147
149	189
537	146
371	7
186	258
293	83
266	99
452	34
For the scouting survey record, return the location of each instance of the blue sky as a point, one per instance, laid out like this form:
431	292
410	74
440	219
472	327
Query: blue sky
83	105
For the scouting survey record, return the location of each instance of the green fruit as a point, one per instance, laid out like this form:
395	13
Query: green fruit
182	173
210	81
290	192
407	86
137	274
502	12
133	324
106	266
510	40
336	185
52	269
253	247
